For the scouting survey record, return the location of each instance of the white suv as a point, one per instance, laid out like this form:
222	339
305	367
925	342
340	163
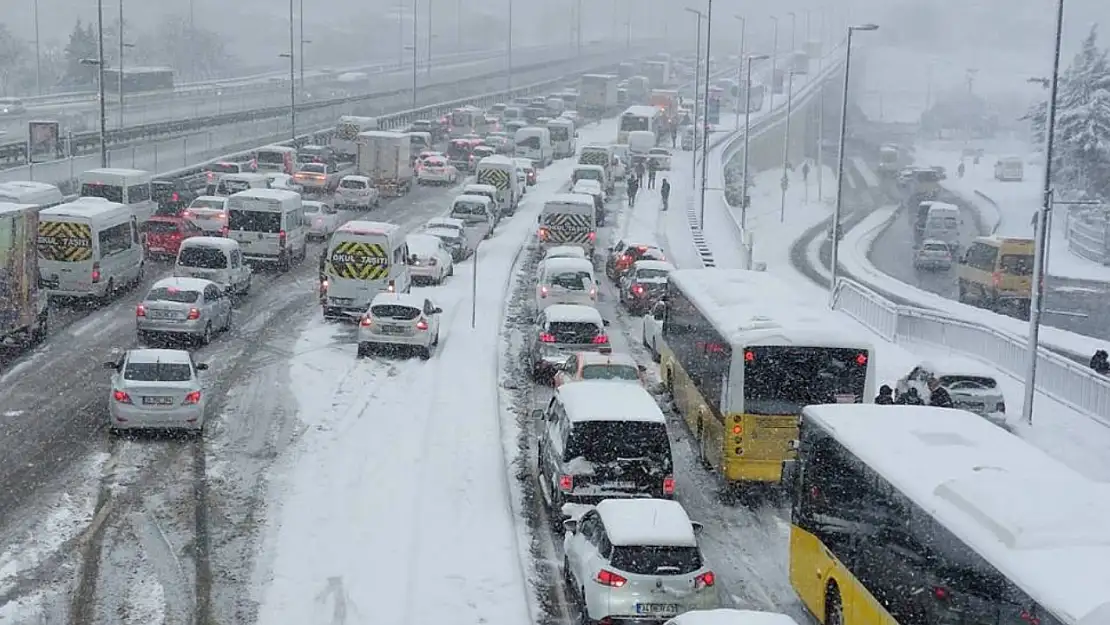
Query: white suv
636	559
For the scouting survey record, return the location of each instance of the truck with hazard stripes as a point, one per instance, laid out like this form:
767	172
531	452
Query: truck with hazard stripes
500	173
568	219
23	310
363	259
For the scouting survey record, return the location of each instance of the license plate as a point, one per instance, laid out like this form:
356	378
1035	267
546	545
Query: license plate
157	249
343	300
158	401
161	314
656	608
617	485
393	329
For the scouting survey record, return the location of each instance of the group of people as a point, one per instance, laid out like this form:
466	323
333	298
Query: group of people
1100	362
938	396
636	178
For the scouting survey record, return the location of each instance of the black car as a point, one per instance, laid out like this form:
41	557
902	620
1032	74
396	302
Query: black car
172	196
624	254
316	154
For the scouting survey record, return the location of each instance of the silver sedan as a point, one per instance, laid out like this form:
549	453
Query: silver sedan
156	389
183	308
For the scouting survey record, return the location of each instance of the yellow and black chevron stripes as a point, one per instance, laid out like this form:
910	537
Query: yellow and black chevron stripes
356	260
568	227
497	177
65	241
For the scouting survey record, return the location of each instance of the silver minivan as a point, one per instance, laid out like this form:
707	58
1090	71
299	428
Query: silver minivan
477	212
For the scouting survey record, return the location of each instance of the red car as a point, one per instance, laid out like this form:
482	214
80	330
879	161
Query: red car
163	235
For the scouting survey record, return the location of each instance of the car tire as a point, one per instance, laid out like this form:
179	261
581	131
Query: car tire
227	326
451	270
425	353
363	350
109	291
206	336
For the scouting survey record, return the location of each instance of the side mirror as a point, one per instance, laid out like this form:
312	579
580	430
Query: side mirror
437	310
570	526
111	365
202	366
605	322
538	414
642	368
795	445
697	526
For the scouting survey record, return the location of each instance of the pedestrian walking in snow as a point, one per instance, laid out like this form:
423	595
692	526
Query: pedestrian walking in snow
652	169
665	193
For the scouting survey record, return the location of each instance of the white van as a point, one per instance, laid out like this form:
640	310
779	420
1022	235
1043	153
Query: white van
1009	169
269	225
568	219
38	194
942	223
640	142
420	141
363	259
89	247
592	172
500	172
126	186
277	158
230	184
533	142
216	259
563	142
479	215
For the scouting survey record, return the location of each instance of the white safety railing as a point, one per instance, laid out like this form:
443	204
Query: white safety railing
1089	234
1064	380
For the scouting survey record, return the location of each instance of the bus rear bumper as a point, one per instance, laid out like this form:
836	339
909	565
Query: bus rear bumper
765	471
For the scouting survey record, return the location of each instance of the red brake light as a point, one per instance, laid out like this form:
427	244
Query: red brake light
638	289
668	485
601	339
543	234
194	313
543	291
609	578
566	483
140	311
592	236
705	580
192	398
1029	618
940	592
749	356
96	273
546	337
366	321
121	397
422	325
175	197
281	238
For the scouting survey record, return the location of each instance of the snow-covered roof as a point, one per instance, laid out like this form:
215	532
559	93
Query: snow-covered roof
570	198
659	265
758	308
399	299
567	265
934	242
1037	521
357	178
445	222
10	207
564	251
641	110
279	195
957	365
478	189
570	313
422	243
359	227
442	232
175	356
182	284
212	198
480	199
729	616
585	167
88	207
598	358
220	243
382	134
646	522
600	400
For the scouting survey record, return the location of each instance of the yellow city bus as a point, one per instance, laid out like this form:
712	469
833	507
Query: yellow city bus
914	515
742	354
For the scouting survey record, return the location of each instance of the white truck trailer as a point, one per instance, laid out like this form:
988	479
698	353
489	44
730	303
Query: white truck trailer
386	158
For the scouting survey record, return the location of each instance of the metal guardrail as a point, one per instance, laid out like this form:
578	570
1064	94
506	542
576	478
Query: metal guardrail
88	142
1088	231
1058	377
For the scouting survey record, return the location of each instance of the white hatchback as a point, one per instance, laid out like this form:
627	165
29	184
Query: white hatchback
399	321
323	219
156	389
565	251
357	192
429	260
565	281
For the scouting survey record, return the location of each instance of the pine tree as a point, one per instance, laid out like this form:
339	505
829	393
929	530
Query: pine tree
82	45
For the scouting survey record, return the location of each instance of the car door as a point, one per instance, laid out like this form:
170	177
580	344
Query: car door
581	546
433	317
567	372
213	312
240	273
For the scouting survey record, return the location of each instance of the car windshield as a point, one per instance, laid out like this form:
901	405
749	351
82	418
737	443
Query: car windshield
434	162
644	560
310	209
781	380
172	294
272	158
352	184
254	221
109	192
532	142
587	174
398	312
610	371
608	441
935	247
651	274
207	204
659	152
202	258
468	208
580	332
157	372
572	280
231	187
967	382
224	168
162	227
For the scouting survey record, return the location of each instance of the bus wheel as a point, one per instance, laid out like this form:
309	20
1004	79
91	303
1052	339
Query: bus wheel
834	607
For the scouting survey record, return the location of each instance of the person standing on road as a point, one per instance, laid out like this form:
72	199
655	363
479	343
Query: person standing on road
665	193
652	169
633	186
885	397
938	395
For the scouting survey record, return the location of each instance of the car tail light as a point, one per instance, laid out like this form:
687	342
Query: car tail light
611	579
366	321
1030	618
601	339
543	291
96	273
192	398
566	483
121	397
592	236
211	176
543	234
281	238
422	325
996	278
175	197
940	592
637	289
224	231
546	337
194	313
668	485
140	311
593	293
705	580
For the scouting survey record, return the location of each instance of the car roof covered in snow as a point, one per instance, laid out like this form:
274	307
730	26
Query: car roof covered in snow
219	243
442	231
585	167
601	400
659	265
479	199
1038	522
569	198
937	242
357	227
564	251
445	222
598	358
646	522
175	356
182	284
752	308
423	242
357	178
566	265
958	365
572	313
398	299
478	189
729	616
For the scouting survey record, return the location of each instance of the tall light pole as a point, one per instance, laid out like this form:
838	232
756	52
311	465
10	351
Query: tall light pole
1036	301
119	65
38	52
747	132
300	52
510	50
415	51
840	157
793	31
740	68
705	123
774	53
99	62
291	55
786	144
697	92
429	43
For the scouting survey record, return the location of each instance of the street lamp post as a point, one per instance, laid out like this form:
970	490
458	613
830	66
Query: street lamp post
697	92
793	31
38	52
786	145
415	24
510	46
429	44
747	131
774	53
292	74
99	62
705	123
300	52
1036	300
840	157
740	69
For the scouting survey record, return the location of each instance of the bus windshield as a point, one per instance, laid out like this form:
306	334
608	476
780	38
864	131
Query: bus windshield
781	380
631	123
